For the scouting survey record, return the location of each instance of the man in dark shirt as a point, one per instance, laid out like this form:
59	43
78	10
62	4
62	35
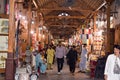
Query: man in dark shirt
71	59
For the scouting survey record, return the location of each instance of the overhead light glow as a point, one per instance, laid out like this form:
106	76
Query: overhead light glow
32	32
33	22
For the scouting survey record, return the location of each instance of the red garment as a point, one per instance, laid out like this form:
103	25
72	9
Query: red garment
39	47
38	70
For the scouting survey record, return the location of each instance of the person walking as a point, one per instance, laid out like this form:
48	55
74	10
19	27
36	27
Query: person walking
59	54
112	67
83	59
39	46
71	59
50	56
40	63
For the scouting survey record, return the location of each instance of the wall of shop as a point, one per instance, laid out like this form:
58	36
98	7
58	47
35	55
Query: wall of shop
117	4
117	21
117	24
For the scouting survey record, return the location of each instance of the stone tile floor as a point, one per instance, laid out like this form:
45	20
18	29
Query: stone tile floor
65	75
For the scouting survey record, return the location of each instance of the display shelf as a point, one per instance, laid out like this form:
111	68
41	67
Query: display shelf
6	16
3	51
2	70
3	34
3	41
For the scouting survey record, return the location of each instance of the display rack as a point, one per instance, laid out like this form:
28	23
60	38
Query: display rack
4	43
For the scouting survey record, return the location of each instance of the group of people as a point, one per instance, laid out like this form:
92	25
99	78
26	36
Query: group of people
44	58
112	65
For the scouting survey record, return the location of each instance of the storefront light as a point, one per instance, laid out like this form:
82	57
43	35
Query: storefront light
32	32
43	36
111	18
20	16
96	22
32	22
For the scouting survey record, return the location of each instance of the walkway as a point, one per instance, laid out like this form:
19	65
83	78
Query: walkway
65	75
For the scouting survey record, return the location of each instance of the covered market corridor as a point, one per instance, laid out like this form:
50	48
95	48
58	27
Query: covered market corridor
27	26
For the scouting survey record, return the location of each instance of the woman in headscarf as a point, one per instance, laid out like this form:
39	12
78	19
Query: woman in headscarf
40	64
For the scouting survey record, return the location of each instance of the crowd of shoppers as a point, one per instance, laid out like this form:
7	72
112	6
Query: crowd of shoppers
108	67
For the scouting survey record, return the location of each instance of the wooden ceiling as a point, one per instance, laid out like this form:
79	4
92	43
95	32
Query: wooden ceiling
64	26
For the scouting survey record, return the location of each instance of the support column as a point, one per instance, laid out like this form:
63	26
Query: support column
29	23
10	65
37	28
108	28
95	22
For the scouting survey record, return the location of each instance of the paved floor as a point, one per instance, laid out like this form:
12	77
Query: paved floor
65	75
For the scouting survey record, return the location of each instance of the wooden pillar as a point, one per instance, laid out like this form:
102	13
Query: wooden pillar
29	23
95	22
10	67
37	28
108	28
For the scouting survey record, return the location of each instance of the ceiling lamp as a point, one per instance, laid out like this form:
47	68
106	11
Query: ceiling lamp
63	14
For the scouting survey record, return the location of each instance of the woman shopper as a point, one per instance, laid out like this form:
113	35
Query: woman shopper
40	63
50	56
112	68
71	59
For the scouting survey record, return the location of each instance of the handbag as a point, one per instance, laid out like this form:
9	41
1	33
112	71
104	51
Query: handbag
116	67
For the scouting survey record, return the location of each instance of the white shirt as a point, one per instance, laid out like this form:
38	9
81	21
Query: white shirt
110	67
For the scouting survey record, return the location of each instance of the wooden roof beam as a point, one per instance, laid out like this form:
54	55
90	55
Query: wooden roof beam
35	3
72	26
67	17
66	9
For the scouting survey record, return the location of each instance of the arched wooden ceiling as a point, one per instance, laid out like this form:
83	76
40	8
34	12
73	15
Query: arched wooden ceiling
78	10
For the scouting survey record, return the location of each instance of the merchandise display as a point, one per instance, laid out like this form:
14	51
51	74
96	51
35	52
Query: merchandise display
3	42
3	57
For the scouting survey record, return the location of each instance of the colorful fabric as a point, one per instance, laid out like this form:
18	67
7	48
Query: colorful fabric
40	63
50	55
83	59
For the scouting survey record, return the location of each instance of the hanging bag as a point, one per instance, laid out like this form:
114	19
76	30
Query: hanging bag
116	67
